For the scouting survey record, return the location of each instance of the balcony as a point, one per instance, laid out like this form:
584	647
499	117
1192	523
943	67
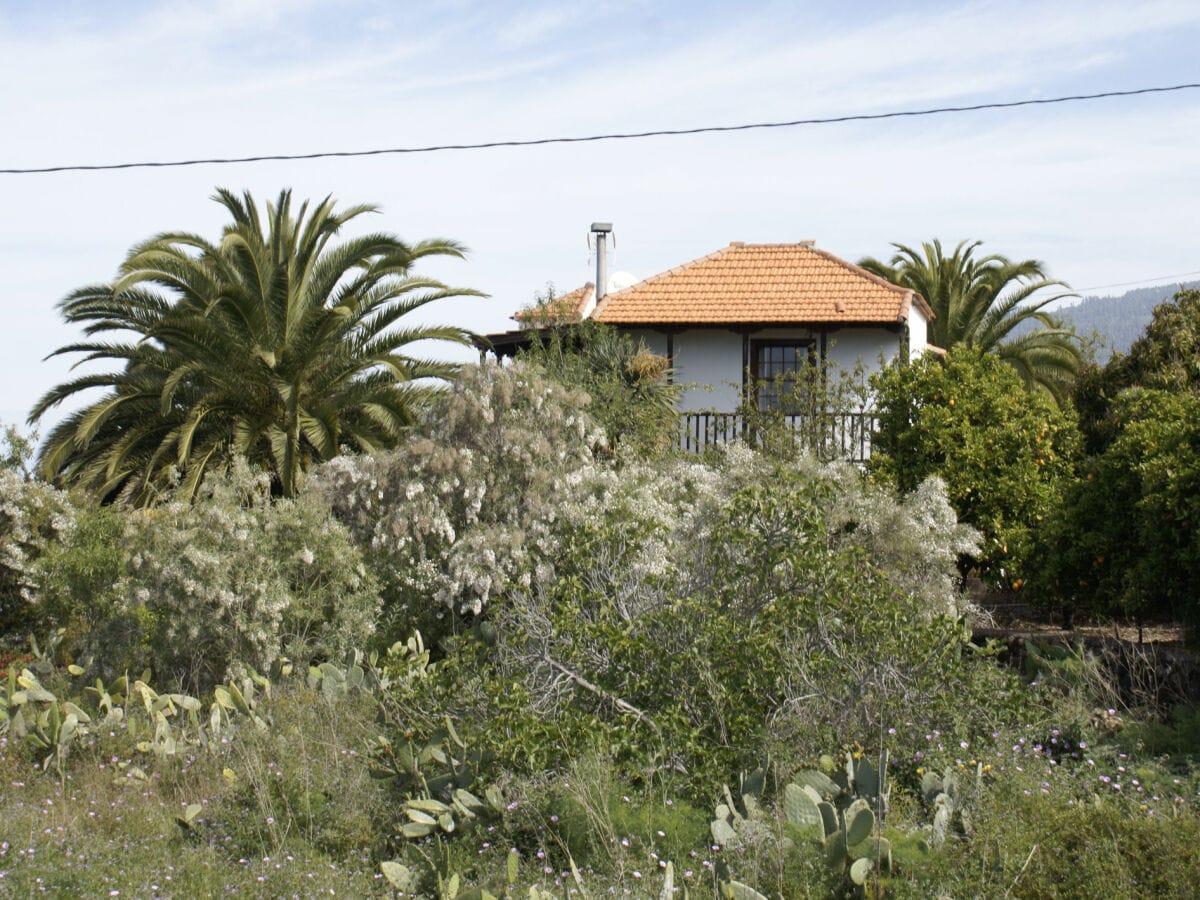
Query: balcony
830	436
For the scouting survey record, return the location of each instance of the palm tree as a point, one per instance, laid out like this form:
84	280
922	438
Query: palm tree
971	308
275	343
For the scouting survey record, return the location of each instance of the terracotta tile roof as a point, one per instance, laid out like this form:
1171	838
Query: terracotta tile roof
761	283
561	310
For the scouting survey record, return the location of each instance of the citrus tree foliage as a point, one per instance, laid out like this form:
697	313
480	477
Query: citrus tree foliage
34	517
466	506
1001	451
275	342
1165	357
232	579
1127	539
632	396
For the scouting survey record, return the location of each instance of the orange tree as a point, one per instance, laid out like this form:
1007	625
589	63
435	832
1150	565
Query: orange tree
1003	451
1125	541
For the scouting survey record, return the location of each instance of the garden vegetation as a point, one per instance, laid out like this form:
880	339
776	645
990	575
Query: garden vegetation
523	648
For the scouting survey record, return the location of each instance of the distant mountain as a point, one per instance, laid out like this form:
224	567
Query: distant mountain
1117	321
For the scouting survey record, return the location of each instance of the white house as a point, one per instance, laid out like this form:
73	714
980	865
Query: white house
736	321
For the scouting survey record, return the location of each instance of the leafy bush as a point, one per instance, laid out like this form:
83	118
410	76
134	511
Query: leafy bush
632	396
1002	451
78	577
232	579
464	509
702	611
1125	541
33	517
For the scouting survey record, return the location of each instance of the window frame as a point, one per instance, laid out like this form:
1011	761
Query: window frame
759	385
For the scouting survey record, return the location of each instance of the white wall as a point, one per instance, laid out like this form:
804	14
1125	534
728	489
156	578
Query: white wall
918	333
708	361
655	341
847	347
708	364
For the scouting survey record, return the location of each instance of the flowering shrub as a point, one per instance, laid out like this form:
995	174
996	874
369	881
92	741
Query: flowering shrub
33	515
231	580
915	538
467	506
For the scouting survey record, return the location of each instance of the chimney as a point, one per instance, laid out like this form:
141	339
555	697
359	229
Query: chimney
601	230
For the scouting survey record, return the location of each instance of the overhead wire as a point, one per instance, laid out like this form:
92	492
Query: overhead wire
1145	281
592	138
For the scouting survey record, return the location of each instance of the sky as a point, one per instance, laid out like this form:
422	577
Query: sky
1104	192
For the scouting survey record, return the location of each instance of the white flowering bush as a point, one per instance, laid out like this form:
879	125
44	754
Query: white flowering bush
33	516
667	512
915	539
233	579
467	506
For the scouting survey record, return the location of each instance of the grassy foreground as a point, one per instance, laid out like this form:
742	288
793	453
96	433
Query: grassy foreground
292	809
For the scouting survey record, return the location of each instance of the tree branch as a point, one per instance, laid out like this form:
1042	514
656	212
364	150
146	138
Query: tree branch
616	701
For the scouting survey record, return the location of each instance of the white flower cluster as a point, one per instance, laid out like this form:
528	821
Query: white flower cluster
33	515
235	579
466	507
916	540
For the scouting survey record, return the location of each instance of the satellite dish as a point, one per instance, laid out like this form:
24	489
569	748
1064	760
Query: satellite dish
618	281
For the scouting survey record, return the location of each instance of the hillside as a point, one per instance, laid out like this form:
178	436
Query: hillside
1120	320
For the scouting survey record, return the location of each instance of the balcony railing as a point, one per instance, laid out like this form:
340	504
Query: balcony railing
830	436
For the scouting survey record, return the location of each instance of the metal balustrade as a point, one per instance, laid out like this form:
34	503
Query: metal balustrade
830	436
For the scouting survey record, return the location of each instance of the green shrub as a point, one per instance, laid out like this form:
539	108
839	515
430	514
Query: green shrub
78	577
702	614
1125	541
632	396
1003	452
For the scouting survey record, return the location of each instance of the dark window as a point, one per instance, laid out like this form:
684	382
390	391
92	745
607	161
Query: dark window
776	367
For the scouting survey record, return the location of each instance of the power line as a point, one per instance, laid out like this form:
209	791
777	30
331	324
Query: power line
618	136
1100	287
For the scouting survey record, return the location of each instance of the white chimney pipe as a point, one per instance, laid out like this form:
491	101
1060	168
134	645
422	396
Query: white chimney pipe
601	230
